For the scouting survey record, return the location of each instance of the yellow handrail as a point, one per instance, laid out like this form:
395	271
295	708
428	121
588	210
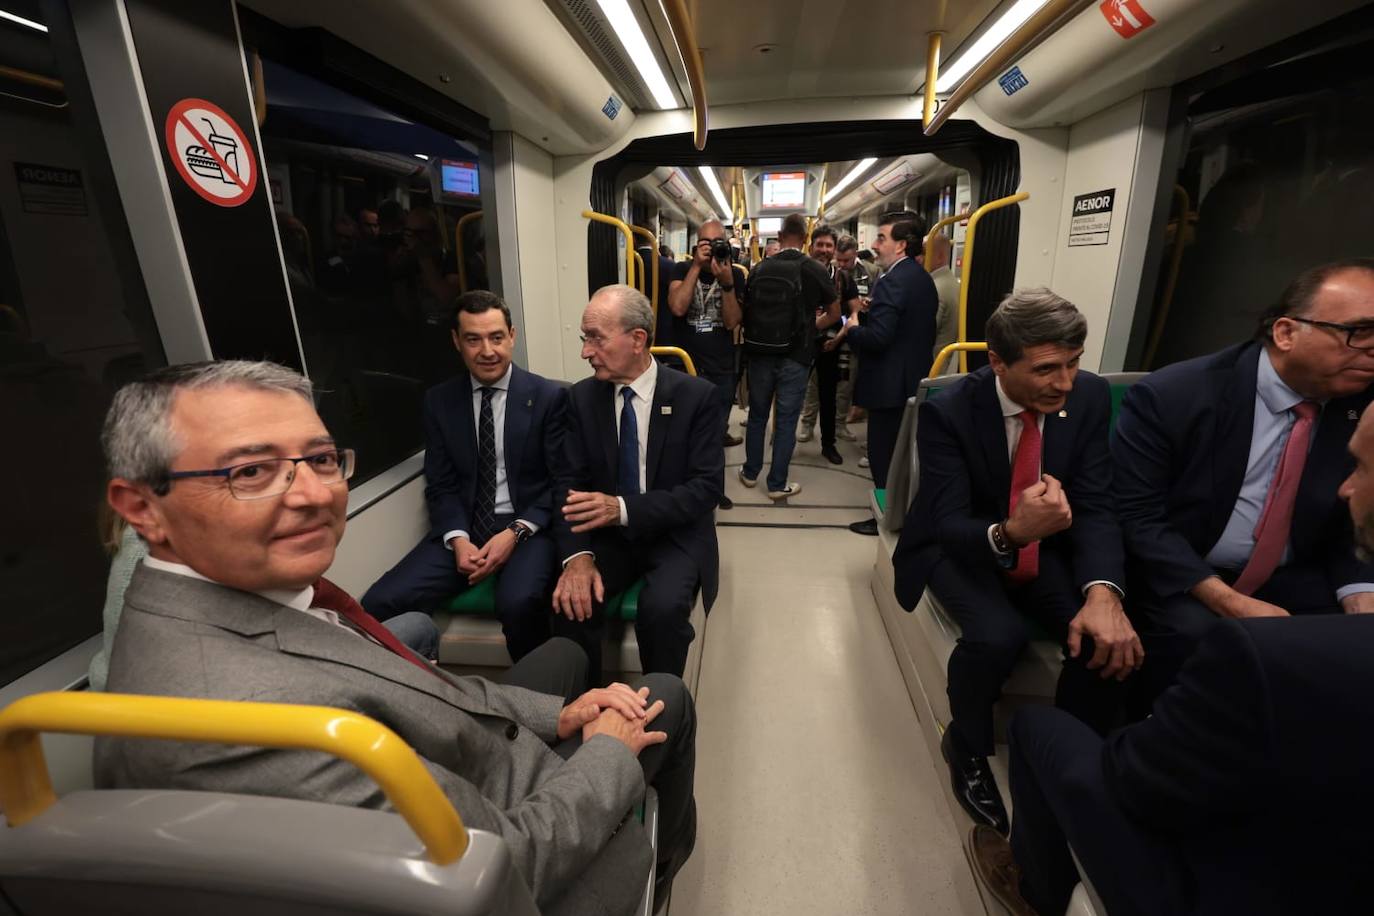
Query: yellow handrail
458	248
629	240
962	347
742	269
639	278
680	353
930	236
974	218
685	37
932	76
653	243
26	789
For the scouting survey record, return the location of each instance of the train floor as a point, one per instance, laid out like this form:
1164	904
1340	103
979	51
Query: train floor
816	793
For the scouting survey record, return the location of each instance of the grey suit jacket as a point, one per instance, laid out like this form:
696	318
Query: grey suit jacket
487	745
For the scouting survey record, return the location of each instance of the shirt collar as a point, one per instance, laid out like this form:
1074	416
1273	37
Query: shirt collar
1009	407
299	600
643	387
502	384
1273	391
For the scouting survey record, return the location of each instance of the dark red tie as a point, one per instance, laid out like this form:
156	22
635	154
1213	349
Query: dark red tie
1025	471
1276	518
332	598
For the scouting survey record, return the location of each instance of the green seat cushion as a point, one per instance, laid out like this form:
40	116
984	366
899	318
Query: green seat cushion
478	601
1118	392
881	497
625	606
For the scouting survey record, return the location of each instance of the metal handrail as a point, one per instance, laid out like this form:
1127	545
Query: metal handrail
932	76
26	789
961	347
930	236
685	37
974	218
653	243
458	248
1037	27
29	78
639	278
625	231
678	352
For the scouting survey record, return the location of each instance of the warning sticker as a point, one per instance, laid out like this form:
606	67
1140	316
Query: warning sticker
1127	17
1090	223
211	152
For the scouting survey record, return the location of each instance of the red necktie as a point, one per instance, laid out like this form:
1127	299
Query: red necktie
332	598
1271	534
1025	471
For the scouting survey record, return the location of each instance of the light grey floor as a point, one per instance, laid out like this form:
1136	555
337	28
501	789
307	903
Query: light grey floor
816	794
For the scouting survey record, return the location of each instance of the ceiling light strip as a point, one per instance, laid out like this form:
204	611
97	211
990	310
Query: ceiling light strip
20	20
708	175
632	39
863	166
988	42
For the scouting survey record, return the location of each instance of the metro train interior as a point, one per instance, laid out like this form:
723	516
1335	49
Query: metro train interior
314	183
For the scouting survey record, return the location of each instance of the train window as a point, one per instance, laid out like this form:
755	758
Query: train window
1274	176
380	226
69	336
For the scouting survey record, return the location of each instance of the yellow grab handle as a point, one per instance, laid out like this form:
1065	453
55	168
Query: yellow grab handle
653	243
963	346
629	240
974	219
458	248
679	353
26	789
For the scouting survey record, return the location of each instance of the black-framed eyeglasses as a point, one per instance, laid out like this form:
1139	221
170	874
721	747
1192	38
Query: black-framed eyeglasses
1357	336
596	341
273	476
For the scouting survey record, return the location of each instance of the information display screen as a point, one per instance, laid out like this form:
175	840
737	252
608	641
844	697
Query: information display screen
784	190
766	226
460	178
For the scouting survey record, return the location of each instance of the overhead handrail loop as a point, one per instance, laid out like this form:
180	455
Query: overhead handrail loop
685	37
629	240
974	218
678	352
1038	26
968	346
26	789
458	248
653	244
930	236
932	77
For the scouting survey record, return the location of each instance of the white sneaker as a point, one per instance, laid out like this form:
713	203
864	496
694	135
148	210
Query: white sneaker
792	489
748	482
805	434
847	434
863	462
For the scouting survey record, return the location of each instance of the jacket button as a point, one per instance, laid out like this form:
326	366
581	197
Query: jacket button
512	731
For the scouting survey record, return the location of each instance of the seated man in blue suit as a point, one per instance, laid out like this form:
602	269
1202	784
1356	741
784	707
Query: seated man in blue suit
642	472
1014	520
490	436
1245	792
1227	468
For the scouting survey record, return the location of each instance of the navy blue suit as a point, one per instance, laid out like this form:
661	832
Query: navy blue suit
965	488
894	343
427	577
1181	448
1245	792
671	536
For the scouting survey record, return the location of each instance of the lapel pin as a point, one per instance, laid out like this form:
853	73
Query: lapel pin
666	410
1063	414
530	402
1351	415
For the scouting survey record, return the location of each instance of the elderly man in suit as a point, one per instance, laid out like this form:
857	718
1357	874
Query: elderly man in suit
1227	468
491	434
642	474
1014	520
1245	792
894	341
228	474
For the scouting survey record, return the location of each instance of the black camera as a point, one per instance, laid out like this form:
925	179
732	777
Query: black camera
721	251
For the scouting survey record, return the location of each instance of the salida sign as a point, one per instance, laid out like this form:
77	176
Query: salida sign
1127	17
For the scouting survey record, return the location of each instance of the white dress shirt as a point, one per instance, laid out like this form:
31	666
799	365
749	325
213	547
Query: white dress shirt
643	402
504	506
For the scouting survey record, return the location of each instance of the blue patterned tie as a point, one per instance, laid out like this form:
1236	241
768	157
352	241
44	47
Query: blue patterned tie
484	509
629	446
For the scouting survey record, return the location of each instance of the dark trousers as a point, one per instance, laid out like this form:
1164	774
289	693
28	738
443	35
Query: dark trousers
993	618
671	580
883	425
725	397
1171	627
827	383
559	667
427	577
1060	799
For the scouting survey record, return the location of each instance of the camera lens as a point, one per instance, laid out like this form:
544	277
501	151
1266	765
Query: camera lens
720	250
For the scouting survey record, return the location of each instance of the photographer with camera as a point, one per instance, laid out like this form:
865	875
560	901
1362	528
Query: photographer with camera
708	291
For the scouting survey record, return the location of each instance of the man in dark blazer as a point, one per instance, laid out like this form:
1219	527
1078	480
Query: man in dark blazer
491	434
1244	792
642	471
227	473
1013	519
893	342
1211	530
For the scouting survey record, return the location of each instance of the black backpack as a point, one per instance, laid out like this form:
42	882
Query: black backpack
774	320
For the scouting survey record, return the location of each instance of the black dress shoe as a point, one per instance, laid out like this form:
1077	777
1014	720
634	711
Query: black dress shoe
725	502
868	526
831	454
974	785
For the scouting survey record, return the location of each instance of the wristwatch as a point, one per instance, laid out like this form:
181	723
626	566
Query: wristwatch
521	531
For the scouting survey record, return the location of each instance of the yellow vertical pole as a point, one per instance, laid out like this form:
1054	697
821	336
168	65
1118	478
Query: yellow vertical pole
932	75
973	221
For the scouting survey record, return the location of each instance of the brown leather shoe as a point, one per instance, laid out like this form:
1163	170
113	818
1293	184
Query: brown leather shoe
996	870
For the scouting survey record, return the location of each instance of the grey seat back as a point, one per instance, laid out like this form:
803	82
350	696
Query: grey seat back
904	474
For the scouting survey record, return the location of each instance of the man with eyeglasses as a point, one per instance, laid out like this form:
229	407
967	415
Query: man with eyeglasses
1227	469
229	475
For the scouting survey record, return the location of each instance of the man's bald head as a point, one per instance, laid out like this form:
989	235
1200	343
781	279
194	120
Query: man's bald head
940	248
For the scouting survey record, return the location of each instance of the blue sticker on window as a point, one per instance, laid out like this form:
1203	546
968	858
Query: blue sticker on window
1013	81
611	108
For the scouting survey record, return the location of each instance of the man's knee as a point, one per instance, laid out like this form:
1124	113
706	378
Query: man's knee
1003	642
567	656
678	718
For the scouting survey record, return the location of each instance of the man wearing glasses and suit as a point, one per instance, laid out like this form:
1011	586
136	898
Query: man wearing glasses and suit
1227	468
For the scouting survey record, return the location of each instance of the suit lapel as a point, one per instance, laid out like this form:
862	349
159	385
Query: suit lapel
992	433
1235	423
466	450
659	421
603	406
1056	445
519	406
1328	464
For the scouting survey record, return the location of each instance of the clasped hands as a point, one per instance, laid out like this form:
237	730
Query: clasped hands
479	562
619	711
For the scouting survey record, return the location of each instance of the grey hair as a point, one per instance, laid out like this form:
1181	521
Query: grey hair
138	439
635	311
1032	318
